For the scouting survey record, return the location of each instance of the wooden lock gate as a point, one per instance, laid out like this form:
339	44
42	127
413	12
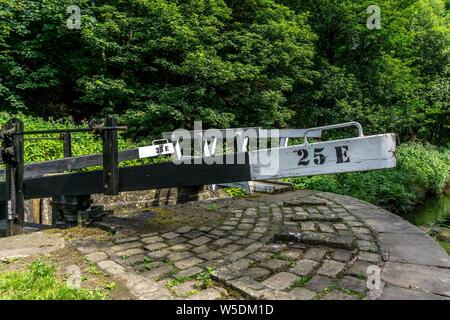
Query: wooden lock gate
71	191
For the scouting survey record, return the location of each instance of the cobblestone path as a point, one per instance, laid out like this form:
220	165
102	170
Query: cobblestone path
300	245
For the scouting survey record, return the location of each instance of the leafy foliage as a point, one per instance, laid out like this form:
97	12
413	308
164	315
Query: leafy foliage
390	80
235	192
162	64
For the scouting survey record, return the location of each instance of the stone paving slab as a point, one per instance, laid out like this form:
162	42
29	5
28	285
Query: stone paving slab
339	295
296	245
424	278
97	256
384	221
398	293
280	281
319	283
331	268
32	244
416	248
302	294
352	283
304	267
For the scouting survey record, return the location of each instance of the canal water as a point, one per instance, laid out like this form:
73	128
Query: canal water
435	211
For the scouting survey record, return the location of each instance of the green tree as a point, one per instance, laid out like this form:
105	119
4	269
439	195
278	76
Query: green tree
392	79
162	64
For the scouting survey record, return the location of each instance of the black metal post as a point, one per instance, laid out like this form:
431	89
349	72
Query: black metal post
3	210
110	158
61	215
13	156
19	175
66	138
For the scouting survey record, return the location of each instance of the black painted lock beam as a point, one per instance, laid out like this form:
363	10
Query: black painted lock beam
110	158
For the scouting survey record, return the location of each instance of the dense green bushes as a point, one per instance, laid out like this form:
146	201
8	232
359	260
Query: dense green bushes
420	169
162	64
39	150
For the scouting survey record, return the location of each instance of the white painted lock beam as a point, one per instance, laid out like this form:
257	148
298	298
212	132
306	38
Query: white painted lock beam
337	156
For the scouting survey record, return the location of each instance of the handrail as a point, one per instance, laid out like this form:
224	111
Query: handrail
335	126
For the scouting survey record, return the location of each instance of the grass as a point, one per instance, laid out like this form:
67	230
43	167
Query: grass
301	281
235	192
191	293
212	207
169	262
204	280
332	287
325	291
94	270
281	256
350	292
360	276
8	260
39	282
111	286
445	245
148	263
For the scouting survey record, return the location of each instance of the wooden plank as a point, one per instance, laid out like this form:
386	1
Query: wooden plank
36	210
110	159
154	176
74	163
347	155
